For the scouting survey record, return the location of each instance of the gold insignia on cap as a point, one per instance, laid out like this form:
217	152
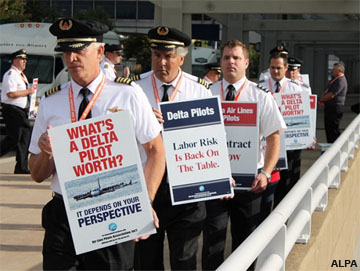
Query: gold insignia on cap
280	48
162	30
76	45
65	25
115	109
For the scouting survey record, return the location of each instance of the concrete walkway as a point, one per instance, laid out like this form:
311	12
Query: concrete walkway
21	202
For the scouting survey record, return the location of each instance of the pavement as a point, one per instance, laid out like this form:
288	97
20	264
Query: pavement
22	199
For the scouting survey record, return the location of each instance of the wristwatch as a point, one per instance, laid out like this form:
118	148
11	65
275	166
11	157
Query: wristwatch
267	175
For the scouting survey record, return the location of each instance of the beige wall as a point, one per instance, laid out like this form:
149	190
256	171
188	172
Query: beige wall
335	232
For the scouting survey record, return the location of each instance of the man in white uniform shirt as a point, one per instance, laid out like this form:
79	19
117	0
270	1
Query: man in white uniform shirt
244	208
15	97
113	56
213	72
279	83
81	43
182	223
293	73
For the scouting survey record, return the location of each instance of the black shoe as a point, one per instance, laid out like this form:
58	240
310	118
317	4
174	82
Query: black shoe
21	171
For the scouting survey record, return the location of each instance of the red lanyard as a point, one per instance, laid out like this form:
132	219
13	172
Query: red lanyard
91	102
332	81
280	90
239	91
173	94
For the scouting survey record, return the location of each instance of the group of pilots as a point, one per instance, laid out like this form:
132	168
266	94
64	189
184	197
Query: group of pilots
92	66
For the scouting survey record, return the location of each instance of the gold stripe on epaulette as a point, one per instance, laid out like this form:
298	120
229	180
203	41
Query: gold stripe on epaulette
123	80
135	77
52	91
204	83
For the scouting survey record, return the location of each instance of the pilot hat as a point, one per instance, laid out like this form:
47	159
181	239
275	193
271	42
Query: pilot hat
76	35
213	67
294	63
19	54
166	38
279	50
114	48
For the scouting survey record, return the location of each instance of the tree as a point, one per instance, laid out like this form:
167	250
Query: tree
13	11
98	14
41	12
137	46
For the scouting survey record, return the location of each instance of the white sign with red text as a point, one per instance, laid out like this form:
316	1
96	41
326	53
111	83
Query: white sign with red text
102	181
32	101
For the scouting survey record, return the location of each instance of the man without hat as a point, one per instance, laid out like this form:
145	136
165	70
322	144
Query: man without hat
213	72
81	44
244	208
113	56
182	223
15	101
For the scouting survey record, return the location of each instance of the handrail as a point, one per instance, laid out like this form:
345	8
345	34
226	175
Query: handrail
290	221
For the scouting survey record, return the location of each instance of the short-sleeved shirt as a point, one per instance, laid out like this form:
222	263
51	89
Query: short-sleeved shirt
12	81
270	119
108	69
54	110
339	88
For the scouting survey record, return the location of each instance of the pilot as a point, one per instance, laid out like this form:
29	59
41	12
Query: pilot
213	72
81	43
113	56
293	73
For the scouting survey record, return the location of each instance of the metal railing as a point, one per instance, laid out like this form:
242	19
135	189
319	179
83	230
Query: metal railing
290	221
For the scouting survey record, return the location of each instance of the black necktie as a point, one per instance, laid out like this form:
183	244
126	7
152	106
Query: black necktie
165	97
230	96
85	92
277	87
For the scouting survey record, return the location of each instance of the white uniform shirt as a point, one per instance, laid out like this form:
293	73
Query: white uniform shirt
264	75
108	69
54	110
286	85
189	88
207	79
12	81
270	119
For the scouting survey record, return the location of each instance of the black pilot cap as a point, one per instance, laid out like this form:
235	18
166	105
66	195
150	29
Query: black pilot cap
19	54
280	49
166	38
76	35
115	48
213	67
294	63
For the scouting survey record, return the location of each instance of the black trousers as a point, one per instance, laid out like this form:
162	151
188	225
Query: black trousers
244	211
59	252
214	233
19	132
332	117
288	177
182	225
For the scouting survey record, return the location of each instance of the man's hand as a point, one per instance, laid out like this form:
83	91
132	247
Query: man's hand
259	184
227	197
31	90
156	224
158	115
44	143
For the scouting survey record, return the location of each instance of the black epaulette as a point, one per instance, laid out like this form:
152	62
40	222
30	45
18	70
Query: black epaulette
135	77
52	91
203	82
123	80
262	88
293	81
261	81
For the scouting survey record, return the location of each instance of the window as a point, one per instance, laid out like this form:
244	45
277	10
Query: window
41	67
145	10
126	10
108	6
63	7
80	5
